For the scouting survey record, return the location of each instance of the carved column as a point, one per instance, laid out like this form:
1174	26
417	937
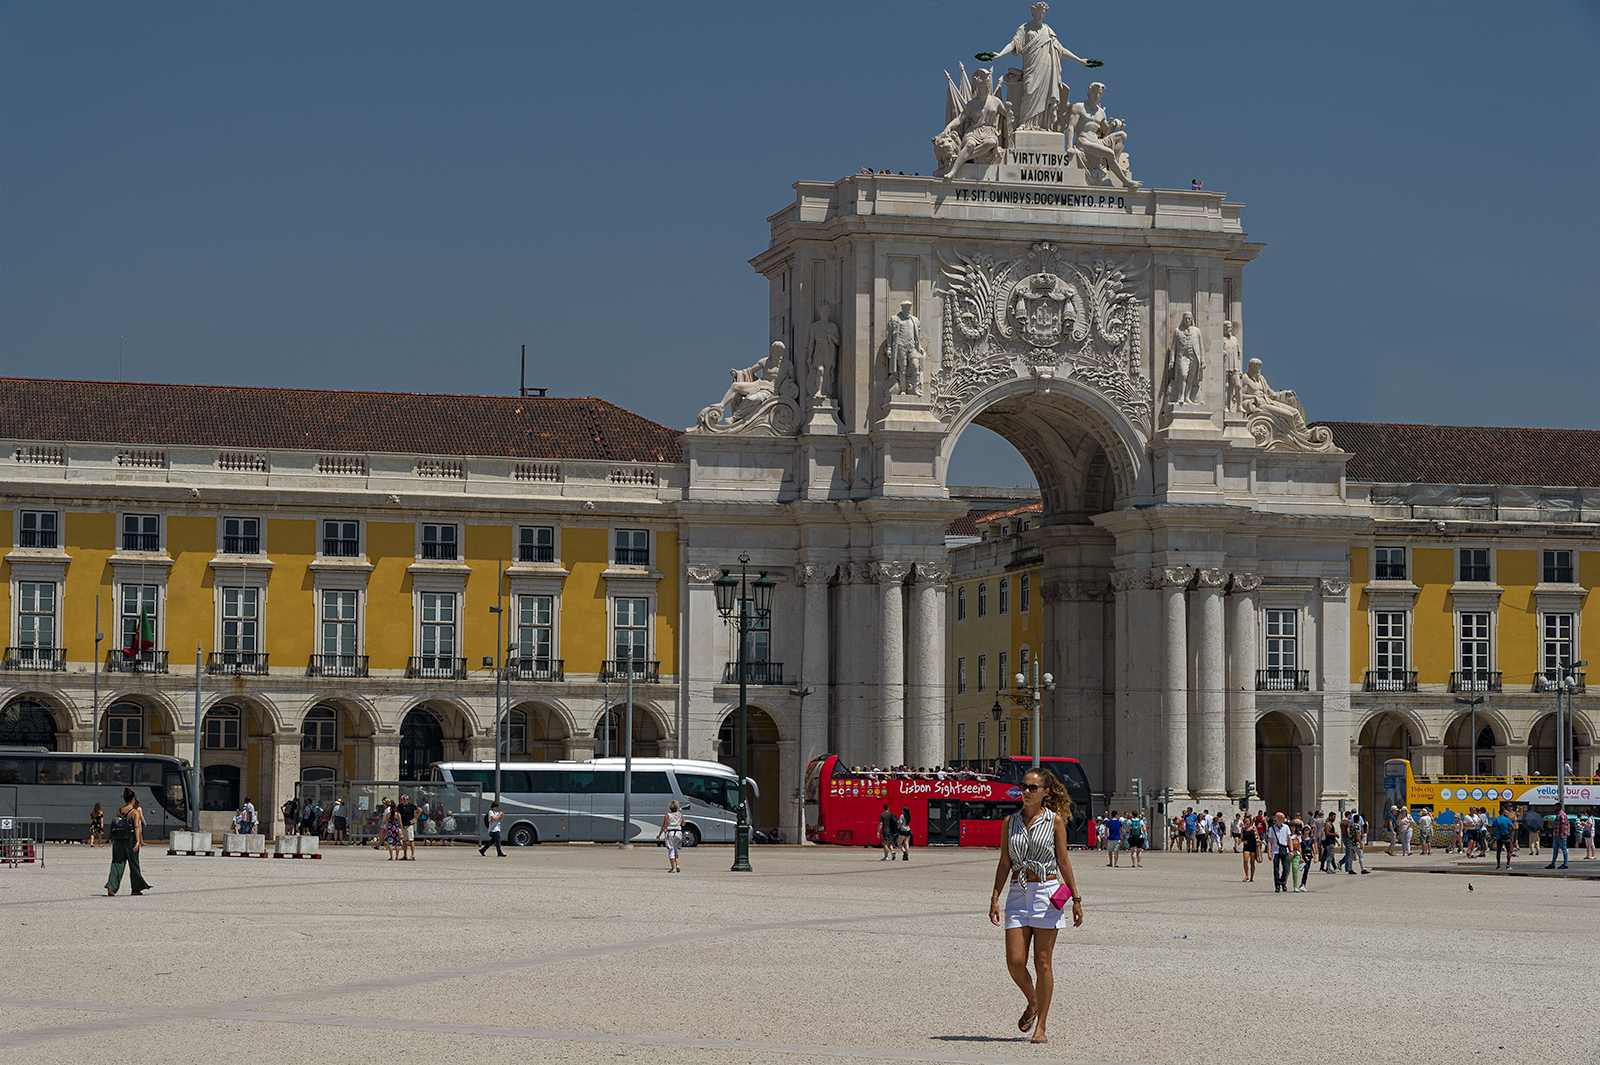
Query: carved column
1334	684
1213	686
285	772
1174	582
1242	645
925	698
706	649
814	660
386	756
891	702
1125	724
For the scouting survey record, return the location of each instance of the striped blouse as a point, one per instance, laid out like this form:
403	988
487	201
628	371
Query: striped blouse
1033	848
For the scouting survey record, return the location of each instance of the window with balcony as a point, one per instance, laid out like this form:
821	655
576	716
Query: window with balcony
983	600
1282	661
1556	650
241	536
141	532
1557	567
983	672
632	630
961	741
320	732
535	635
1024	593
222	729
439	541
1389	564
536	543
36	625
124	727
961	675
241	613
341	539
961	604
633	547
38	529
1389	649
139	621
340	635
1476	672
437	637
1005	595
1474	565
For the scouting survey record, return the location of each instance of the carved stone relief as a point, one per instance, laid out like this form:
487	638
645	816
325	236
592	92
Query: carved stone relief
815	573
1334	588
932	574
892	572
1210	578
703	574
1127	580
1186	362
1076	591
1245	583
1276	418
762	399
1172	576
904	351
823	353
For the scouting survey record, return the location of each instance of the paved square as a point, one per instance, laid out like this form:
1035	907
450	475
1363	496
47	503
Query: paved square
588	954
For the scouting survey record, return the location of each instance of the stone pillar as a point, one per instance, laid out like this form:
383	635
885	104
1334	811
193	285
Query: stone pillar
1338	775
580	748
706	651
891	716
814	660
1213	682
925	697
789	819
1308	799
386	756
1124	729
1174	582
1427	761
285	774
1244	649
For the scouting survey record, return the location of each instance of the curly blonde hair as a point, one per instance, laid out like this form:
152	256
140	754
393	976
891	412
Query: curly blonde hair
1056	799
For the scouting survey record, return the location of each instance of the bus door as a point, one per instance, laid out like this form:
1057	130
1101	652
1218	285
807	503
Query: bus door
547	803
585	789
944	822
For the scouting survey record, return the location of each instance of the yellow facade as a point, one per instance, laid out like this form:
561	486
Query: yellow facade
1017	631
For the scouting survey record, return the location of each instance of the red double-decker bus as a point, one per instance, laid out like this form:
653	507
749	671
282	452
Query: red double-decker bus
843	807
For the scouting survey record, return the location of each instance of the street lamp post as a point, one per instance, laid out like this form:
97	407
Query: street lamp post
734	602
800	765
1037	689
1474	702
1569	684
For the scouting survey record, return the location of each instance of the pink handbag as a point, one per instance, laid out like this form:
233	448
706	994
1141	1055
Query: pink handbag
1062	896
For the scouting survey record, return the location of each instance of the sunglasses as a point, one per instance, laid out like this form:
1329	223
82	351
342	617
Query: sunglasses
1032	787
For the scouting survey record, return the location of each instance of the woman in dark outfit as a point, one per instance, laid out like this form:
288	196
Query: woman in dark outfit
127	834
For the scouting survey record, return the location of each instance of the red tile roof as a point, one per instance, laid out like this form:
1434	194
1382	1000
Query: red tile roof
314	420
964	525
1002	515
1456	454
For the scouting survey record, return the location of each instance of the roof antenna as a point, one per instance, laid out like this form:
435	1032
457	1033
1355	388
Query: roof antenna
523	383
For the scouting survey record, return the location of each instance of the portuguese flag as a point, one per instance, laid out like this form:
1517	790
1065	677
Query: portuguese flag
144	638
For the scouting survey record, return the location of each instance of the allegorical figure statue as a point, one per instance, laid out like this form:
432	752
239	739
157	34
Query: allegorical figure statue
1039	105
905	350
1186	363
977	133
1097	140
824	354
756	384
1277	420
1232	368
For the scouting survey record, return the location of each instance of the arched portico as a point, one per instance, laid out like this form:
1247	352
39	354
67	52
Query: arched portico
762	762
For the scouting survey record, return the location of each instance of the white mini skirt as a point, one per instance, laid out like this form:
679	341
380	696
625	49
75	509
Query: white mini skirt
1028	906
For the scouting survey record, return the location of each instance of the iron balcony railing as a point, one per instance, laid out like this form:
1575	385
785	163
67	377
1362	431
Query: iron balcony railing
1475	680
536	553
436	667
241	545
44	659
643	671
37	538
141	541
1390	680
341	548
632	556
337	666
1550	680
537	668
754	673
237	663
433	550
136	662
1283	680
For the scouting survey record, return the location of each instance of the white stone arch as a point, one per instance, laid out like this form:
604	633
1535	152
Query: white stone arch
272	718
340	697
463	707
156	704
556	709
61	709
1416	722
1304	719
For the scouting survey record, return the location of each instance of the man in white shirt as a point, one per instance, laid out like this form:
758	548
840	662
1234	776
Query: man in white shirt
1278	845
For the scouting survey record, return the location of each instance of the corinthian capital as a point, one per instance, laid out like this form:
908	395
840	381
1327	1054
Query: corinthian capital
1172	576
889	572
1126	580
1210	578
814	573
703	574
1334	588
928	573
1246	582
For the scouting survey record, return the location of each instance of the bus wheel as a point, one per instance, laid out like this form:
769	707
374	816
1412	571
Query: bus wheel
523	836
691	836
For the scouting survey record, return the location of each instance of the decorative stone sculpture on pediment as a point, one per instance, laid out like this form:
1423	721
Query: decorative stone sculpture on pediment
1097	142
1276	419
977	124
1172	576
1245	583
1007	317
762	399
703	574
1042	102
1333	588
1210	578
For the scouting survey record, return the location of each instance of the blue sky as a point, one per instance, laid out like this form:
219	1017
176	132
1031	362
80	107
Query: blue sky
398	195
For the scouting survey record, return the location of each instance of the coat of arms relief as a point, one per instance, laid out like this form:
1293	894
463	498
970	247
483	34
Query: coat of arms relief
1041	315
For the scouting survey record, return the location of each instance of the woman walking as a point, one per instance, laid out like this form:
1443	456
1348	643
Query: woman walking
97	826
1134	827
1294	857
1308	847
1251	844
1034	861
672	829
390	829
903	833
127	835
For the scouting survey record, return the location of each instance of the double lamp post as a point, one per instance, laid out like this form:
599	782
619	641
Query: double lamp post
748	604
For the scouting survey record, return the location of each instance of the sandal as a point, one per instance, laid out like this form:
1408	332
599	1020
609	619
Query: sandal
1040	1039
1025	1022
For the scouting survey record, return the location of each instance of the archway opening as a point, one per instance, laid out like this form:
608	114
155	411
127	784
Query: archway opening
761	760
421	743
536	733
1462	756
1542	748
27	722
1386	736
609	734
1280	764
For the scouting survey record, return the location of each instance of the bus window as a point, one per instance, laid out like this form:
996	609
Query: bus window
474	776
171	796
514	780
651	784
147	773
18	770
53	771
219	788
814	778
592	782
719	791
110	772
546	781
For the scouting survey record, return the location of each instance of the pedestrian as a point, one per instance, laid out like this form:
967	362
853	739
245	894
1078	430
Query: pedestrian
1425	827
1458	835
672	829
1278	850
1251	850
1330	844
1308	847
1588	836
1034	861
491	820
1236	830
1392	826
1216	833
341	822
1190	824
1558	837
1532	828
249	817
407	812
1113	839
1134	828
887	829
1093	826
291	816
97	825
1503	827
1404	823
389	829
1295	859
127	836
903	833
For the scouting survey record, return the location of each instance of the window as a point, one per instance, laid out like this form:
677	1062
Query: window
983	672
632	633
1005	595
1024	660
1281	641
1025	736
760	634
534	629
1024	593
439	541
1003	676
961	675
141	532
1557	651
983	600
139	618
517	733
124	727
222	729
1557	567
1474	643
961	604
1475	564
1025	525
1389	652
240	614
36	618
983	741
241	536
536	543
320	732
439	628
38	529
633	547
341	539
961	741
339	625
1003	738
1389	564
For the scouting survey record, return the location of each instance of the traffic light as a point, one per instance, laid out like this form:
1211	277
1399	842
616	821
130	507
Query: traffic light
1137	791
1249	793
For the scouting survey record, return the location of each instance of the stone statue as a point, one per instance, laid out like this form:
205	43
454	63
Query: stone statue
1186	364
1231	366
824	354
1096	141
762	396
906	357
1040	105
977	134
1277	420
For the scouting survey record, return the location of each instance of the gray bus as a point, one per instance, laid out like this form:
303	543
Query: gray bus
62	787
555	801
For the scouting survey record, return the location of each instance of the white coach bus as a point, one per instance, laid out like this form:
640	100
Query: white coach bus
555	801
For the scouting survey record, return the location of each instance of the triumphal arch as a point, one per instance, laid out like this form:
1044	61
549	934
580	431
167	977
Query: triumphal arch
1030	285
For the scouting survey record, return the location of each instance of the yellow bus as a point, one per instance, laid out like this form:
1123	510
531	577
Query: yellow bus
1451	797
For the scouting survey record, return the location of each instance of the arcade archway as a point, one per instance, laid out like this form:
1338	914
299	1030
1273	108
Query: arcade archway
761	760
1386	736
27	722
